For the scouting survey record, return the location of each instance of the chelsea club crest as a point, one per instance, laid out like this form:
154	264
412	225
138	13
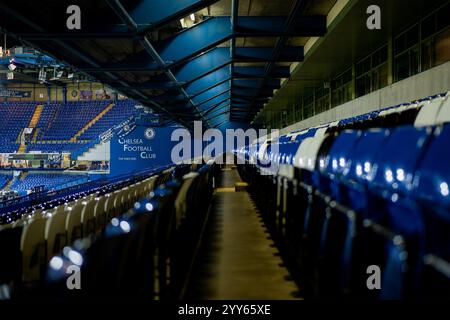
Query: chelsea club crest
149	133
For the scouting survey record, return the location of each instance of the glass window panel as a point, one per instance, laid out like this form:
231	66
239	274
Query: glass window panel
442	48
402	66
428	26
443	17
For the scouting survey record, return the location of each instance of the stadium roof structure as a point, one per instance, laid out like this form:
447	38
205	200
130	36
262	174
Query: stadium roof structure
210	60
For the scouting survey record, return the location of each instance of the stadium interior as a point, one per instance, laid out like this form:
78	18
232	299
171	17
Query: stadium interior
345	195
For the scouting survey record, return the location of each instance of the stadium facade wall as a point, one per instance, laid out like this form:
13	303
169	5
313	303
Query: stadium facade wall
428	83
41	93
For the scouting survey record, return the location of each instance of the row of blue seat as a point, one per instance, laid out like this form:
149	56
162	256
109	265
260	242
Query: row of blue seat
343	200
50	181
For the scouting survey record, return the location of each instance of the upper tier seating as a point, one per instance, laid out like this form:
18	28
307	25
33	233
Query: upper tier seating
59	124
14	116
121	111
4	179
70	118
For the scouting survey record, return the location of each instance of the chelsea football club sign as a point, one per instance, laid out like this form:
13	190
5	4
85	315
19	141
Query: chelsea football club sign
142	148
150	134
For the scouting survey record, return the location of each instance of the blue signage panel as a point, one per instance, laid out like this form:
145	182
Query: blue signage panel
143	148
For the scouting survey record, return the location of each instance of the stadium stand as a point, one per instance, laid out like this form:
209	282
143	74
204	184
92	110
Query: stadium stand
137	213
362	197
329	127
49	180
4	179
53	133
15	117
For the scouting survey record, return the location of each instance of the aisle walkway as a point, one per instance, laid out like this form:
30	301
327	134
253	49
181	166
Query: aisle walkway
236	259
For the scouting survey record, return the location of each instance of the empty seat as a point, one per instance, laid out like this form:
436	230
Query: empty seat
429	113
432	182
32	245
74	222
88	216
55	231
100	212
444	112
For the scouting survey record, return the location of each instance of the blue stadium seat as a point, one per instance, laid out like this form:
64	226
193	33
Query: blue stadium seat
432	191
394	226
333	165
359	164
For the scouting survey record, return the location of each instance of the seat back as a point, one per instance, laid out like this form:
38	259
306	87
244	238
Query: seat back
429	113
395	165
74	222
55	231
88	216
100	211
360	161
181	205
110	210
32	245
336	160
432	189
444	112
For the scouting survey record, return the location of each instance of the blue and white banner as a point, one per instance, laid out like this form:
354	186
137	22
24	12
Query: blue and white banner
143	148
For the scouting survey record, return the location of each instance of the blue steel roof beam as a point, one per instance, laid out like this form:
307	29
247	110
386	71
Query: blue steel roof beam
296	9
219	124
303	26
214	97
202	65
211	93
206	35
151	50
76	53
265	54
207	73
210	87
219	106
157	13
215	103
251	92
220	112
145	85
218	58
223	95
218	115
123	14
248	26
169	97
258	72
194	41
253	83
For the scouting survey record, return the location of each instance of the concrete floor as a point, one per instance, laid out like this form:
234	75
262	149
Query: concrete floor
237	260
